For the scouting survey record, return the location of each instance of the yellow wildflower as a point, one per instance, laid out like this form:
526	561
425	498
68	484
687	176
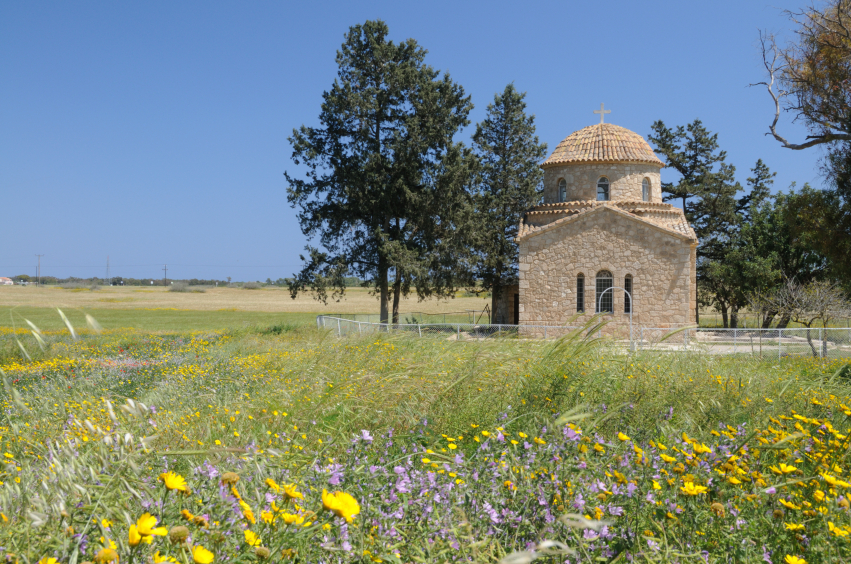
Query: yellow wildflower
782	469
272	485
134	538
341	504
174	481
251	538
145	525
836	530
690	489
291	492
201	555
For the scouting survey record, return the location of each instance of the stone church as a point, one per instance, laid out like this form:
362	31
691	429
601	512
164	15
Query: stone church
602	228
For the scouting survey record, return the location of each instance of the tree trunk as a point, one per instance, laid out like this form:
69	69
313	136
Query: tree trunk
769	317
397	292
784	320
382	288
810	341
734	317
724	318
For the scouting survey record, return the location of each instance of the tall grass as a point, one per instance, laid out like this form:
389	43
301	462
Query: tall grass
298	404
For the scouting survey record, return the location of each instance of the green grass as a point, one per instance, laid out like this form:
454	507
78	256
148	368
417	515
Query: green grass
288	402
152	320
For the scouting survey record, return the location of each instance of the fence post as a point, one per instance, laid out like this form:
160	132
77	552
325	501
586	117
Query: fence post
823	343
499	329
319	322
779	342
545	331
419	330
458	334
641	338
339	332
735	344
360	327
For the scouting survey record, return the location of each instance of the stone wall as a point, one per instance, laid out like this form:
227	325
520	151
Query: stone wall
662	266
624	181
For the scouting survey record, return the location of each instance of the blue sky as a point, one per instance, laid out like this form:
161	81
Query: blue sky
156	132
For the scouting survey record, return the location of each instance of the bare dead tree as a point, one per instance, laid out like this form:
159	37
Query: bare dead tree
808	303
811	77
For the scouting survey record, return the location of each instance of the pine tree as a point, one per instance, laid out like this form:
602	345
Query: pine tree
387	190
707	191
510	183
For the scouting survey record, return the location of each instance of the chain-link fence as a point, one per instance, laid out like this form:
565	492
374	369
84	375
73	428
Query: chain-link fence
765	343
467	316
778	343
449	330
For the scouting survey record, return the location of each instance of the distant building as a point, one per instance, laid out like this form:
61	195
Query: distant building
6	281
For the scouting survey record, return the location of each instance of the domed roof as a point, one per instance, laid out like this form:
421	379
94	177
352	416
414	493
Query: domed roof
603	142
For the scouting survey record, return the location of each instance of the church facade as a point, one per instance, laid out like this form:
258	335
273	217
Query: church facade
603	241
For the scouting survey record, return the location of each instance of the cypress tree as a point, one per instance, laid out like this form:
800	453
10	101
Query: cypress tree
510	183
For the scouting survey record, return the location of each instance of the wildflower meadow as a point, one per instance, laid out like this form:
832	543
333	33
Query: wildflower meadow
289	444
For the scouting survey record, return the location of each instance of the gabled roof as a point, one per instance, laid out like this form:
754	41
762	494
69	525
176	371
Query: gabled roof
600	143
675	225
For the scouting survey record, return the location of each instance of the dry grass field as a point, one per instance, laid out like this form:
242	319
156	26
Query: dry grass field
155	309
270	300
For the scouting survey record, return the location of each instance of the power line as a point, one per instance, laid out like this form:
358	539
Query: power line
165	275
38	272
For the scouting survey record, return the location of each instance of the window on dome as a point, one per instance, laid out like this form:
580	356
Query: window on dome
562	190
604	300
603	189
645	189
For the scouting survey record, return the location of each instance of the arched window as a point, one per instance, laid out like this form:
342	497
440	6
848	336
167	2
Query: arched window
645	189
604	300
580	293
562	190
627	297
603	189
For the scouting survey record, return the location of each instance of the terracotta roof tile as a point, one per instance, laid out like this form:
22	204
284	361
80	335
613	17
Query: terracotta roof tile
672	218
603	142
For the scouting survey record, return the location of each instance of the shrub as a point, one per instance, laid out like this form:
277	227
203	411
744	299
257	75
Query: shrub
252	286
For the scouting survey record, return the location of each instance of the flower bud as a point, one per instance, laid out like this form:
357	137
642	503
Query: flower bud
230	478
178	534
261	552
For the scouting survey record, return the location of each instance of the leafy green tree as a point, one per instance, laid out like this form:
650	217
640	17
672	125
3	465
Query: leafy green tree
509	183
707	191
387	189
808	77
744	264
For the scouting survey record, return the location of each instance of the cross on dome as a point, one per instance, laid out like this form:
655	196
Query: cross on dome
602	112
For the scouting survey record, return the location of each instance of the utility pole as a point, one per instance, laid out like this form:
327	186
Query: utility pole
107	270
165	275
38	272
